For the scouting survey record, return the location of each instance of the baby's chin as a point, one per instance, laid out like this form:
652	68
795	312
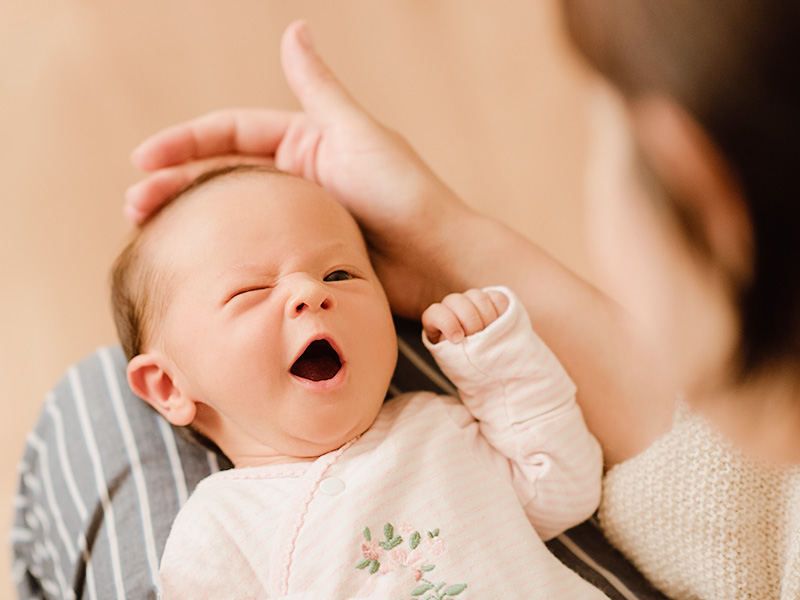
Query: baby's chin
296	451
250	462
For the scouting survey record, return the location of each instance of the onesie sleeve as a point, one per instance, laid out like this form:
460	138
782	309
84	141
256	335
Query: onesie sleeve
524	401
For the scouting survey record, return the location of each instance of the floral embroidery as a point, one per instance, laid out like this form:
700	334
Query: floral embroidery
384	556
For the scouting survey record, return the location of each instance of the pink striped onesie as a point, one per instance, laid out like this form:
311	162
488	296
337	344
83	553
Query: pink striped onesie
438	499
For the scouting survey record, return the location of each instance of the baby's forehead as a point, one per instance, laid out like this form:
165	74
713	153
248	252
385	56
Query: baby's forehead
266	188
246	198
225	192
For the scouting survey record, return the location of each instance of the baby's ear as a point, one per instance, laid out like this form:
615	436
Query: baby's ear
149	376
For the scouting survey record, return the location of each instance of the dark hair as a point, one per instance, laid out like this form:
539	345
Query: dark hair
138	294
733	66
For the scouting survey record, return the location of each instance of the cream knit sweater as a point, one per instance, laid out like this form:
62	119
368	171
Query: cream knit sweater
702	521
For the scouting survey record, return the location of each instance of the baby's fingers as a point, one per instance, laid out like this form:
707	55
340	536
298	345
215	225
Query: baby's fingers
486	306
438	322
459	315
475	309
500	301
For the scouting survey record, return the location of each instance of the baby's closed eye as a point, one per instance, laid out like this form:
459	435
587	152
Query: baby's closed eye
246	290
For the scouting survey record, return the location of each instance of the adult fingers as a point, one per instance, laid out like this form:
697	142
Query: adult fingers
145	196
256	132
323	98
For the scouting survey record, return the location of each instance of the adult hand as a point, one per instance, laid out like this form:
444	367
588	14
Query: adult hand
425	243
333	142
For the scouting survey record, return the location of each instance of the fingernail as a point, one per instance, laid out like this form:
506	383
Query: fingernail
132	214
136	157
304	36
131	193
457	337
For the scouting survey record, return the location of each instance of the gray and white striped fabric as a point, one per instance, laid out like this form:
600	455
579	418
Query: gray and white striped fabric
103	476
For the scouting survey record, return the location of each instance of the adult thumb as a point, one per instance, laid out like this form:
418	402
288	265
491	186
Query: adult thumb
321	95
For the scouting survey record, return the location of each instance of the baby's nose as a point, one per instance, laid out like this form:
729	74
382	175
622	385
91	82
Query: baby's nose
309	296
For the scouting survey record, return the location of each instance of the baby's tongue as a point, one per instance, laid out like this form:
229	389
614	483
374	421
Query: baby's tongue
318	363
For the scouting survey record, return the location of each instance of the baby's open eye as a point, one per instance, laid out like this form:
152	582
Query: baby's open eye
338	275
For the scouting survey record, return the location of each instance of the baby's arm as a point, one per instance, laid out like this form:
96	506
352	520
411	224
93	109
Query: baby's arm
513	384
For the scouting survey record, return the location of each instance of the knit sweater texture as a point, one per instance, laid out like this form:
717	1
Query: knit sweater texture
702	520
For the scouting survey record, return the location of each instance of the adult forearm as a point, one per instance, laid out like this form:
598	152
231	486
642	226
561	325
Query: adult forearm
623	394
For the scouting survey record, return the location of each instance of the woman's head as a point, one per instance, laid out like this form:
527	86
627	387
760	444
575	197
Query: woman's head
720	77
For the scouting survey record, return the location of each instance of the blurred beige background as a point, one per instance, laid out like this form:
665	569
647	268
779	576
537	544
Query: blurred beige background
486	93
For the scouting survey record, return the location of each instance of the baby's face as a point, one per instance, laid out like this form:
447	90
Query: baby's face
279	327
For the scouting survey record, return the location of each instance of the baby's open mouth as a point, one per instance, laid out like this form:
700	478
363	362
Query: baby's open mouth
319	362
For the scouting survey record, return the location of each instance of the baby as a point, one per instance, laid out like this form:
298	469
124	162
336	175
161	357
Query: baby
249	310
